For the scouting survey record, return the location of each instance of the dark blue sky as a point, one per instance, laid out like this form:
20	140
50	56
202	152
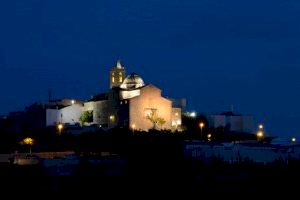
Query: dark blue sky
216	53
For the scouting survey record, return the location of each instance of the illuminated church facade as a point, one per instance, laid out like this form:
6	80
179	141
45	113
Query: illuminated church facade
132	103
129	103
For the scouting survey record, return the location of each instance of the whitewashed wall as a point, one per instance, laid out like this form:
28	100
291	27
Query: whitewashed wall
69	114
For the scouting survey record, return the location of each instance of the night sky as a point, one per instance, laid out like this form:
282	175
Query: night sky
215	53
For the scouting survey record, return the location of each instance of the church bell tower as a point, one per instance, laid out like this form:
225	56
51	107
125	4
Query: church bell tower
117	75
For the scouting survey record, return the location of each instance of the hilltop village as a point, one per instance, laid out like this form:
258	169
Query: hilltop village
133	133
133	106
129	102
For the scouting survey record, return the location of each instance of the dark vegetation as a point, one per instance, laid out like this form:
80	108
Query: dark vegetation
151	164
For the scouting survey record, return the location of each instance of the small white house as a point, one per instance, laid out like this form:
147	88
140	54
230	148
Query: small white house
66	115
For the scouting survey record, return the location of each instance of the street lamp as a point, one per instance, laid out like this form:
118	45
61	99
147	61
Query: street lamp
259	135
28	141
209	137
260	126
60	128
133	127
112	119
293	139
201	124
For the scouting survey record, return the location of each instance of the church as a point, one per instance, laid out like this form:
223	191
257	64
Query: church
132	103
129	102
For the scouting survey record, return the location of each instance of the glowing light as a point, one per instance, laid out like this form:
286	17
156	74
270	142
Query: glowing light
260	134
201	125
130	94
60	127
293	139
193	114
176	114
28	141
260	126
112	117
178	122
133	126
72	102
209	137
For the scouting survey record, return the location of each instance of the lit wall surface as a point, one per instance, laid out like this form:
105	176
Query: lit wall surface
149	99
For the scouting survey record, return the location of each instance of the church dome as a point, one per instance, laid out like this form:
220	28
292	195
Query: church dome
132	81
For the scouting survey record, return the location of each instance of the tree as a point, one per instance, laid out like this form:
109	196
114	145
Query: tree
86	117
155	119
161	121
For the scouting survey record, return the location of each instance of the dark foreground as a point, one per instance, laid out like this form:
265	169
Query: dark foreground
151	167
153	178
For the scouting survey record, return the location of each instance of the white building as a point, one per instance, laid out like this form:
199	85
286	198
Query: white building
234	153
235	122
65	115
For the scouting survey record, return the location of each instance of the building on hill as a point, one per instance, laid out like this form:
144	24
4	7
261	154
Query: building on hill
148	102
42	114
65	115
233	122
66	111
131	103
98	104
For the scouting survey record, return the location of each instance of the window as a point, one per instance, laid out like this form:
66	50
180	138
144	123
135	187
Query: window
120	77
113	79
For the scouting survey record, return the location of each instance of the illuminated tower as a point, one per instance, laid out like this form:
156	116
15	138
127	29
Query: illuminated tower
117	75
